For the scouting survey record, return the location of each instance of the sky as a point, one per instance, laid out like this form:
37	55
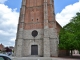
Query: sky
9	15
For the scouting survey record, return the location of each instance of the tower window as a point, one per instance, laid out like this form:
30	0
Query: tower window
37	19
34	33
32	19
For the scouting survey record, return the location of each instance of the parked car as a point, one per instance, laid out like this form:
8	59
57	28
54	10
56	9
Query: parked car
4	57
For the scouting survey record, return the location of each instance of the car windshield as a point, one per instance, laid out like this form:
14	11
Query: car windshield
1	58
4	58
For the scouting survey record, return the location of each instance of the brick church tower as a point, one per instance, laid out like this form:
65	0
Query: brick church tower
36	34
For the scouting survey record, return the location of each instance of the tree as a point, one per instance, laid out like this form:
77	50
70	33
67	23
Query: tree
70	34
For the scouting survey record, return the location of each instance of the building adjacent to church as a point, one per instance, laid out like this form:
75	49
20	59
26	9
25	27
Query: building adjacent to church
1	47
37	31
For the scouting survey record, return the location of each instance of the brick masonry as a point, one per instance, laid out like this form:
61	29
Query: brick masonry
37	15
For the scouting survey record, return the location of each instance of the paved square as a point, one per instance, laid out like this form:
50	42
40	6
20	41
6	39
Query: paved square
41	58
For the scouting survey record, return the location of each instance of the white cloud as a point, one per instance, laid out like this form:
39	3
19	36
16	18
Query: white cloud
5	33
13	39
9	44
67	13
3	1
9	16
8	24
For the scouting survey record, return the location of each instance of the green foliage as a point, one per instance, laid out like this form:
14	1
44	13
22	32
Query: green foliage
70	34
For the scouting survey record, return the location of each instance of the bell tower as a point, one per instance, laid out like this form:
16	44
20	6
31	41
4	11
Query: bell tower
36	33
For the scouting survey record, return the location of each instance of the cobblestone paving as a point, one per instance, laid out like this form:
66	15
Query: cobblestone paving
39	58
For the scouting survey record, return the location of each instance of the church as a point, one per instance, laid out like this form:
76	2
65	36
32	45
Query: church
37	33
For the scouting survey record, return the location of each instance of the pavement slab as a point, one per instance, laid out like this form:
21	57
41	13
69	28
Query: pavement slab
41	58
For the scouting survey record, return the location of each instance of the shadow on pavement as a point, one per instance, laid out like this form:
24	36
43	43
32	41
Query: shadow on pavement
72	57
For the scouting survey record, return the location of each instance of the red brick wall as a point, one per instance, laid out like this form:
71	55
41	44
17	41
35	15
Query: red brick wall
63	53
58	27
34	15
1	47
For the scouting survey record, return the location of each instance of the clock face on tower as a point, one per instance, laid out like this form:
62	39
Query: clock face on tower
34	33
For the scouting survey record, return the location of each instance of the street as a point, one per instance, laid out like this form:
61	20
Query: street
42	58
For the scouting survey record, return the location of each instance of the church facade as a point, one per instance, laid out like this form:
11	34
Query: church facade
37	33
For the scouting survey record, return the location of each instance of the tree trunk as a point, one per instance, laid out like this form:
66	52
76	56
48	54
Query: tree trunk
71	52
